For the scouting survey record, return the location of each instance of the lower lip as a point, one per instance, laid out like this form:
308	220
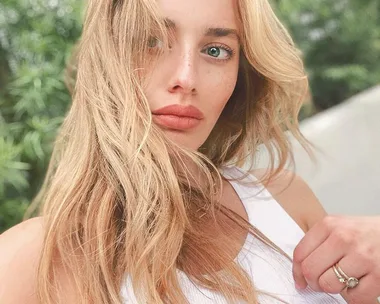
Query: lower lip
176	122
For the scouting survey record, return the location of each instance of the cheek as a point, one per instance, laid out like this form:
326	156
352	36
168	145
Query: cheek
219	90
150	82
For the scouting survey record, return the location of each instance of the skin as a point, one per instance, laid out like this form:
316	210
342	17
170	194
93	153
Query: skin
351	241
187	74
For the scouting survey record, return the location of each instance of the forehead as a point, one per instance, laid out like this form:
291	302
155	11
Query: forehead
200	13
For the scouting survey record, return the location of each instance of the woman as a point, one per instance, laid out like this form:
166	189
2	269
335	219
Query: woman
142	202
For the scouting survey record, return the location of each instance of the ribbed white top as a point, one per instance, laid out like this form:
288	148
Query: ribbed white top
270	271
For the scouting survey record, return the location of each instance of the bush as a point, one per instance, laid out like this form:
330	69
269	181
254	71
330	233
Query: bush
340	41
36	38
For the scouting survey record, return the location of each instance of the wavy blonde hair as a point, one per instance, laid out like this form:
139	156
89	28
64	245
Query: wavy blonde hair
119	198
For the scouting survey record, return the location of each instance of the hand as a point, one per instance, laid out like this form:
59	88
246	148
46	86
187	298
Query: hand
354	243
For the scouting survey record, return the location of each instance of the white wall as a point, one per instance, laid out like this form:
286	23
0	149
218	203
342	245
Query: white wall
346	177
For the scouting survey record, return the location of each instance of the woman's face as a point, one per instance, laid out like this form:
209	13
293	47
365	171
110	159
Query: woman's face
193	80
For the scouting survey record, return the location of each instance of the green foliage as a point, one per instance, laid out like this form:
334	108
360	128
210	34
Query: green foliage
11	211
340	41
36	39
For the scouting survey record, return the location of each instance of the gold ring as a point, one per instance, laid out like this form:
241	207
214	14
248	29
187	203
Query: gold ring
338	275
350	282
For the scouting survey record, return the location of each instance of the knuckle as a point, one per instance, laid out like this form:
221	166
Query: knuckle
365	254
332	221
329	221
342	238
297	256
307	271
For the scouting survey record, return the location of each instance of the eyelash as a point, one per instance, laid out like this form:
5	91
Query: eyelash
230	51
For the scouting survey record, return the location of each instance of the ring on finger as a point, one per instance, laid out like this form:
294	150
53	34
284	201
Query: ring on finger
350	282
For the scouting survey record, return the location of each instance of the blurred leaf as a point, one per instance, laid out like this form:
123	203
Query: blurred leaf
36	38
12	170
340	41
11	212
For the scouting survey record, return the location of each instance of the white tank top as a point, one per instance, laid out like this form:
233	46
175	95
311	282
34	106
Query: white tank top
270	271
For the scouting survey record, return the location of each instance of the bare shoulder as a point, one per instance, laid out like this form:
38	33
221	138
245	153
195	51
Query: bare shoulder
19	256
21	248
296	197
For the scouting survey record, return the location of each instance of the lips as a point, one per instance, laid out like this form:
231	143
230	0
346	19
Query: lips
180	111
178	117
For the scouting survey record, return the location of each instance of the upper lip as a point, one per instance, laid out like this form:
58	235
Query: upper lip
179	110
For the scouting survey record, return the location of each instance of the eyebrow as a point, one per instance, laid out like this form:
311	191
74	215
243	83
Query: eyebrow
221	32
169	23
210	32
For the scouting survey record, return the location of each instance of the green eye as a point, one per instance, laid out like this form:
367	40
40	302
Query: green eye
220	53
155	42
214	51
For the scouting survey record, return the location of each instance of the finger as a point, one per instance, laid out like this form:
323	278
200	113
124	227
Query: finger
329	281
299	279
313	238
319	261
366	292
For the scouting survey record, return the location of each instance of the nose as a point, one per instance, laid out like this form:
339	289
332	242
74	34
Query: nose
183	78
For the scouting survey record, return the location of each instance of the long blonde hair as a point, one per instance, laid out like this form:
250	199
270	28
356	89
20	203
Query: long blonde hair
118	198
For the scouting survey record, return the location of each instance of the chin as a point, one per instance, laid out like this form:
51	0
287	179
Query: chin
184	139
